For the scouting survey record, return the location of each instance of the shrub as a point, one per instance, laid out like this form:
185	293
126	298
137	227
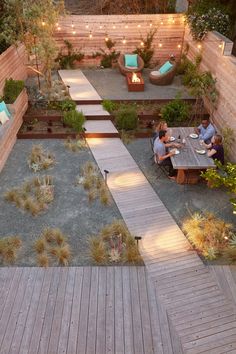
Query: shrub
9	247
67	61
109	106
146	51
68	105
74	119
75	145
175	112
126	118
12	89
40	159
208	234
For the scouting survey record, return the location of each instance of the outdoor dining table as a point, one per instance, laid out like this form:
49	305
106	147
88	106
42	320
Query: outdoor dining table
189	162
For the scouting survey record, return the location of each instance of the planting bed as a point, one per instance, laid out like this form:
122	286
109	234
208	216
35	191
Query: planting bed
70	210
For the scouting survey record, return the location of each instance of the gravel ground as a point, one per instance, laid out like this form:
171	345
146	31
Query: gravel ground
70	210
181	200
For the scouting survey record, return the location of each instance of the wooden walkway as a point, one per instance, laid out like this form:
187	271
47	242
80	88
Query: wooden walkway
81	310
196	306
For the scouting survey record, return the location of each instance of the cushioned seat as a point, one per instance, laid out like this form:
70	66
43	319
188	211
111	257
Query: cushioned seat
124	70
157	78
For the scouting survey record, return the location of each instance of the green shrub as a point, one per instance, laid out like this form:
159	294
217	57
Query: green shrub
147	50
67	61
109	106
126	118
12	89
74	120
175	112
68	105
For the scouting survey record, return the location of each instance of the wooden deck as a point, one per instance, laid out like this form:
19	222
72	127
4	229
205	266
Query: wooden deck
187	289
81	310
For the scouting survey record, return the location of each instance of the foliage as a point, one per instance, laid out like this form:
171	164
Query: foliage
175	112
108	56
208	234
228	139
109	106
40	159
114	244
33	196
92	181
147	50
75	145
67	61
204	16
74	119
9	247
51	247
67	105
126	137
12	89
33	23
126	117
136	7
223	176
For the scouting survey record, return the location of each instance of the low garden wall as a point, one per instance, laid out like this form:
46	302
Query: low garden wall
217	58
87	33
9	131
12	65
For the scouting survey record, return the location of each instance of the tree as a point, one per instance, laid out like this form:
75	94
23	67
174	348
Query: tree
33	23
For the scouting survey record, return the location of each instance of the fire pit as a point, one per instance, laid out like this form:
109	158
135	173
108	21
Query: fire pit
135	82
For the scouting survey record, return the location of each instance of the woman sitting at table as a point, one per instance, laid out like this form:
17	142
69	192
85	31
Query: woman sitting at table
162	125
216	149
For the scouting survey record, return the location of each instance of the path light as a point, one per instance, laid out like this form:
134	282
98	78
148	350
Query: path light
106	173
137	238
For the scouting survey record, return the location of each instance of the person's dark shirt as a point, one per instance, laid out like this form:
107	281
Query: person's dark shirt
219	155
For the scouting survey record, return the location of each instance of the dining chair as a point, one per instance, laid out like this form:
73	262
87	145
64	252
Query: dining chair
162	169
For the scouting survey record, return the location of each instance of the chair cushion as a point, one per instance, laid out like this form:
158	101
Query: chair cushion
131	60
165	67
3	107
3	117
156	73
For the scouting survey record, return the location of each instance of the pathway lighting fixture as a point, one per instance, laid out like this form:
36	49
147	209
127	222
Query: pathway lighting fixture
106	173
137	238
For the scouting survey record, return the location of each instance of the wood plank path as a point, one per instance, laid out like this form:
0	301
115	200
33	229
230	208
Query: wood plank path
188	290
81	310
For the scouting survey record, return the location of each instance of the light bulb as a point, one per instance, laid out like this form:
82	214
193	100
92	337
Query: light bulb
114	27
90	35
160	45
74	32
43	23
87	26
58	28
142	44
106	38
124	41
179	45
150	24
126	26
139	26
199	46
162	22
72	25
100	26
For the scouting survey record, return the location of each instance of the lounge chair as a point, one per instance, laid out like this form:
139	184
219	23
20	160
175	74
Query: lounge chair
124	70
156	78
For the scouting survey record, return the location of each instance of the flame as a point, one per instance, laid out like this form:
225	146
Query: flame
135	78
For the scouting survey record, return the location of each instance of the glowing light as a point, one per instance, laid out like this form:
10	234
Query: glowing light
173	20
124	41
139	26
87	26
73	32
162	23
160	45
179	46
90	35
58	28
72	25
199	46
106	38
126	26
220	45
142	44
100	26
114	27
150	24
43	23
226	238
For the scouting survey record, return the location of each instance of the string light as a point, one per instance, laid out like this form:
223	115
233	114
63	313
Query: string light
43	23
179	45
160	45
126	26
124	40
106	38
139	26
100	26
87	26
58	28
173	20
90	35
73	32
162	23
199	46
150	24
72	24
114	27
142	44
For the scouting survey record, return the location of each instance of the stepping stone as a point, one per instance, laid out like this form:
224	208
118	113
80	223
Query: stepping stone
80	88
100	126
92	110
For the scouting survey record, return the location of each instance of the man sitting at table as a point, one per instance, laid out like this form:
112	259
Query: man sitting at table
205	130
162	156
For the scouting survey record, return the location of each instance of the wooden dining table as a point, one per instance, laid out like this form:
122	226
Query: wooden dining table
189	163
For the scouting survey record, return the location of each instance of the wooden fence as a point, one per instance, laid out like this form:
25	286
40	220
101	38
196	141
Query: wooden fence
88	33
12	65
223	68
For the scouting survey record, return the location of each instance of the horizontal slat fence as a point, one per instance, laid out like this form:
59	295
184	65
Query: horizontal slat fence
126	30
223	68
12	65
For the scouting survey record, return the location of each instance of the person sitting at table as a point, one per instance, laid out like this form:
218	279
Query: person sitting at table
162	125
216	149
205	130
162	155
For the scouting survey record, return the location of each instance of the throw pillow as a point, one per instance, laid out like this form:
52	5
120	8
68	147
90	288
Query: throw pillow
165	68
156	73
3	107
131	60
3	117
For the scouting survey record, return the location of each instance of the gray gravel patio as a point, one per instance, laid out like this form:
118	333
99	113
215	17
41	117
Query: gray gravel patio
70	211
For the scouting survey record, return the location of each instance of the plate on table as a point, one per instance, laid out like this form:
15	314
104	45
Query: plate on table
172	138
176	151
193	136
201	152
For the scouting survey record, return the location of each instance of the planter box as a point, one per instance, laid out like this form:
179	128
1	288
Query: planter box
9	131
